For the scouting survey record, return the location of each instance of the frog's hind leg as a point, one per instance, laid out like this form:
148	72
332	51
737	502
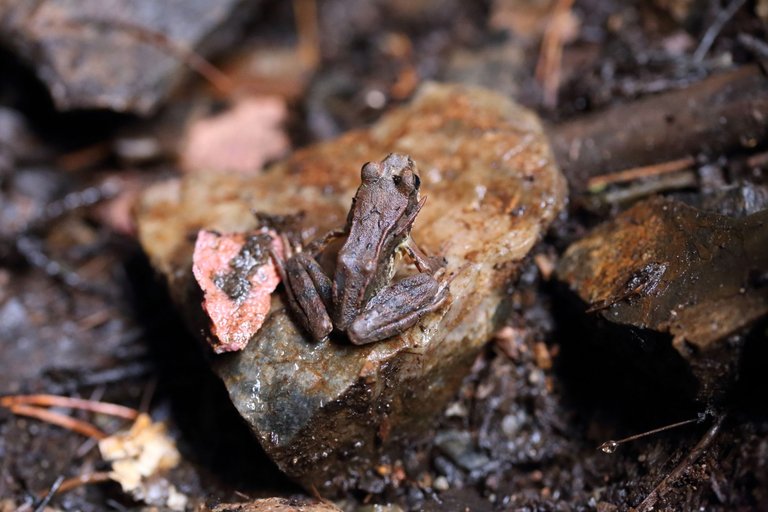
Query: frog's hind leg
309	293
397	308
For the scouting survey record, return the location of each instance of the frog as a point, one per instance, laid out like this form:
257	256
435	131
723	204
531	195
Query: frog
362	299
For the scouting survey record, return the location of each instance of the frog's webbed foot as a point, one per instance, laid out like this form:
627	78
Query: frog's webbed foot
397	308
309	293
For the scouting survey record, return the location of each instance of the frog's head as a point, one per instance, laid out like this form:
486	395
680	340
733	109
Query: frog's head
395	170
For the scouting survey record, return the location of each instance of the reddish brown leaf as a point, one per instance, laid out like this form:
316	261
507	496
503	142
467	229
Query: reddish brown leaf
242	139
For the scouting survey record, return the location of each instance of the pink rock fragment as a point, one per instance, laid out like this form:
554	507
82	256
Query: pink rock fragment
237	277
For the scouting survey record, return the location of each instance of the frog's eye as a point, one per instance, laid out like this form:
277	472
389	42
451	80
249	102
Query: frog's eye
370	172
406	182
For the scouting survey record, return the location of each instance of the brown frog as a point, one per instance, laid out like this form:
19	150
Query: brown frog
362	300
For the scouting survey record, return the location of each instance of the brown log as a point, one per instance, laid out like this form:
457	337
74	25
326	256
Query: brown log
721	113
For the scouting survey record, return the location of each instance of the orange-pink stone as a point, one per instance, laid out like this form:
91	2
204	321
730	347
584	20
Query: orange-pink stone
233	321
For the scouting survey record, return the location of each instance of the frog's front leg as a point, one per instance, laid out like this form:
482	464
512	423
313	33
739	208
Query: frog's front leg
397	308
424	263
309	293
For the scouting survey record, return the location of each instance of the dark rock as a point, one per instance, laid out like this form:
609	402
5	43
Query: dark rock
123	56
460	447
739	201
500	66
16	140
668	267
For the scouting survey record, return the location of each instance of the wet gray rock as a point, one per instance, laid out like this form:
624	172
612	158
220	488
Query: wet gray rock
460	447
123	56
326	412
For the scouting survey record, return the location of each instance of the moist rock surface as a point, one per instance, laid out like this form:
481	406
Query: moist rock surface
327	412
668	267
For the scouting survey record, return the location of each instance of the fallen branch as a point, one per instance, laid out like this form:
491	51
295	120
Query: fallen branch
721	113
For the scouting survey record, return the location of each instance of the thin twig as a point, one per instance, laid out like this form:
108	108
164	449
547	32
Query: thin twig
74	403
147	395
548	68
62	420
127	371
29	244
758	160
84	158
753	44
610	446
675	181
660	490
31	248
85	447
77	200
95	319
596	183
90	478
714	30
48	495
305	13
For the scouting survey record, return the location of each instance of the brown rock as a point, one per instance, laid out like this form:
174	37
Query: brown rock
325	412
666	266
